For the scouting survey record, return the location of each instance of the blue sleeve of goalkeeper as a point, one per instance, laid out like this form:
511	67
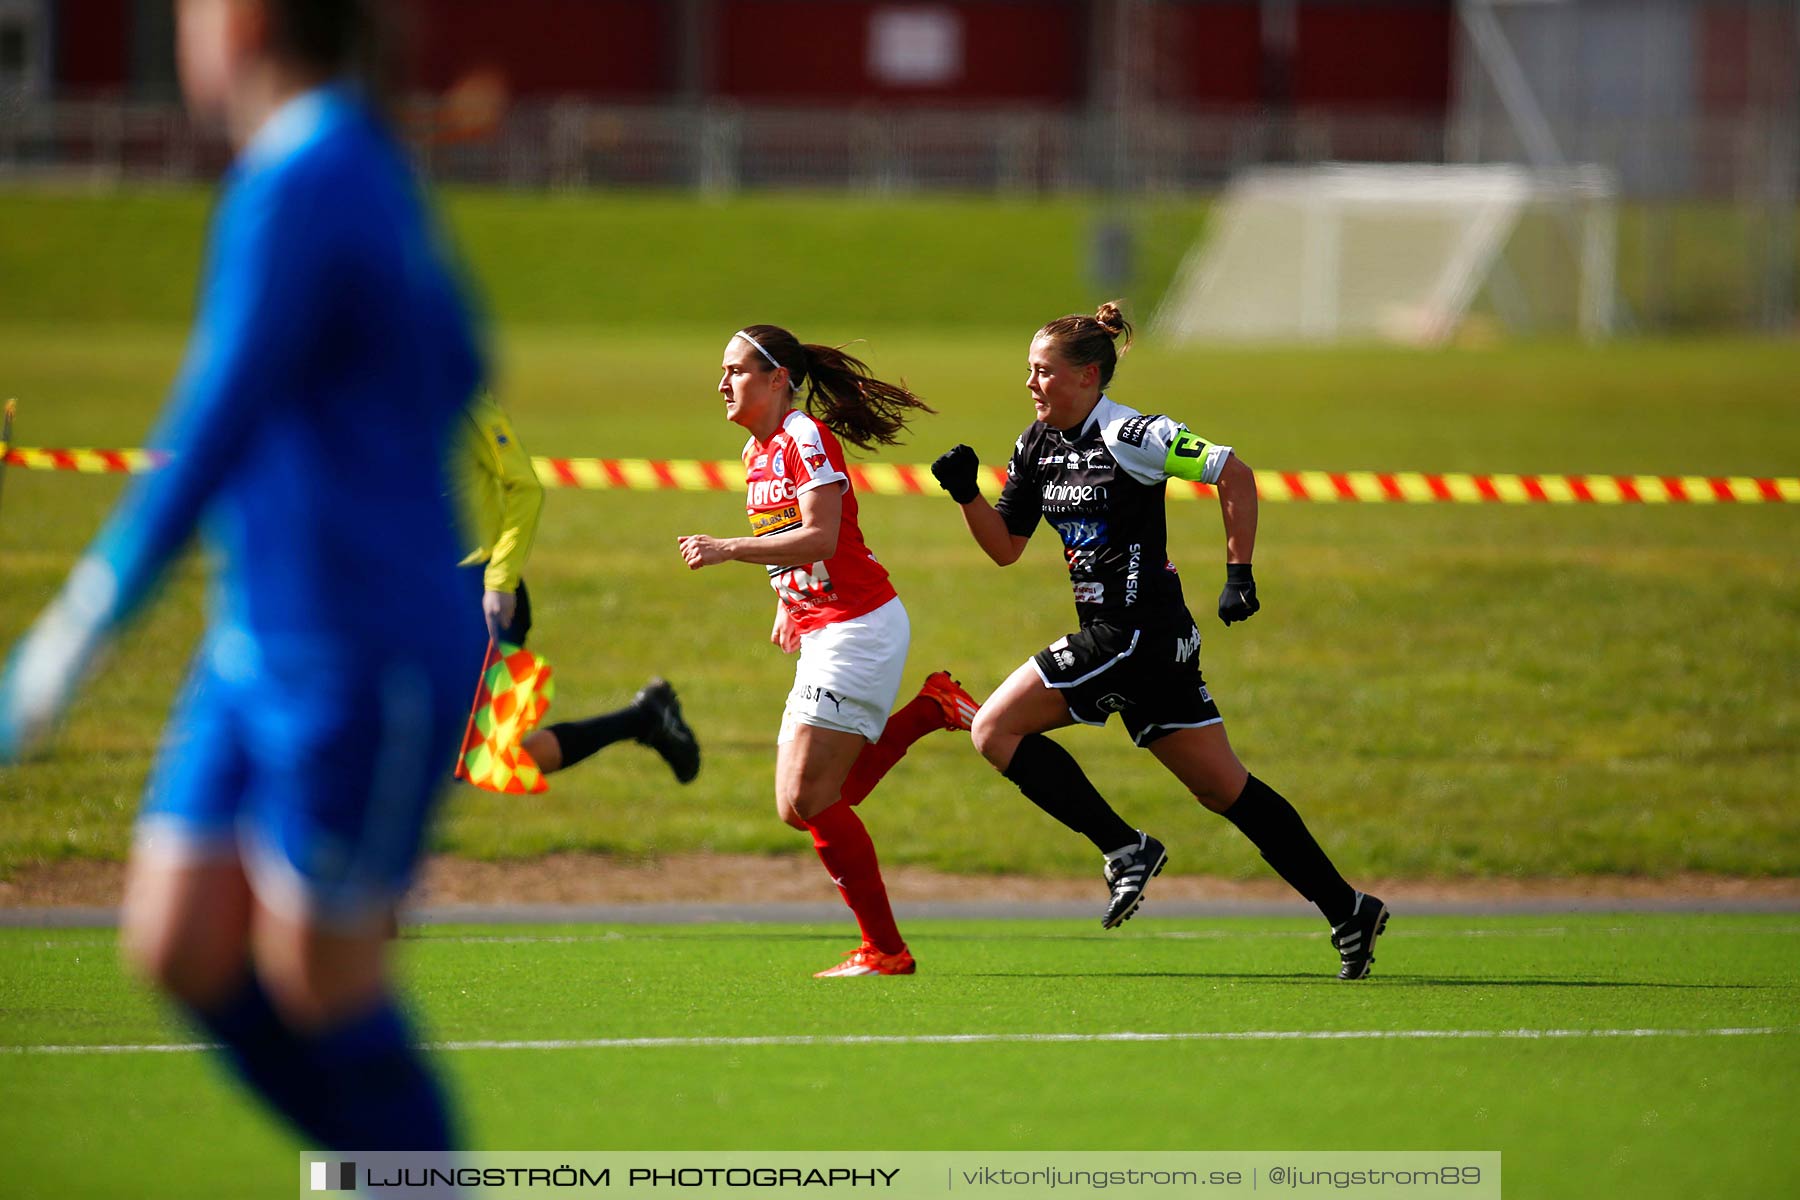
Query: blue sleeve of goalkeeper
258	313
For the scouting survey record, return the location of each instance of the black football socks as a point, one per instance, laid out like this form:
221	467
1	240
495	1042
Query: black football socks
1274	828
1052	779
580	739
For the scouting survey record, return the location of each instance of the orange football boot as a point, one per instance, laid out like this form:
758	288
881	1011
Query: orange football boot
959	707
867	960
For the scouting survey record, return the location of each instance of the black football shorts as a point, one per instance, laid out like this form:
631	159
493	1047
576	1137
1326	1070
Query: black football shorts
1150	677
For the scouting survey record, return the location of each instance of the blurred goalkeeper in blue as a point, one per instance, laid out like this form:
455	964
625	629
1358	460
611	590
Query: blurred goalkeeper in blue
308	431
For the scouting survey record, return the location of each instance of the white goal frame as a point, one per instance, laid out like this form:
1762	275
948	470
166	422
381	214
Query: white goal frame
1274	265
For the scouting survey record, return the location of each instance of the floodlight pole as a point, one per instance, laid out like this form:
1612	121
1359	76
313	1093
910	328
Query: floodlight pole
1781	179
1122	31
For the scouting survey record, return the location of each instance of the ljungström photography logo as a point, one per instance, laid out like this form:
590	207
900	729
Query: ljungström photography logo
334	1177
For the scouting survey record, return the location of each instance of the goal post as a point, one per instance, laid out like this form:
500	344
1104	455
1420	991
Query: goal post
1344	252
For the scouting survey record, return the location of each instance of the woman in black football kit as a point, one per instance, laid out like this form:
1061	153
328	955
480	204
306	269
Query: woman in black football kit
1096	471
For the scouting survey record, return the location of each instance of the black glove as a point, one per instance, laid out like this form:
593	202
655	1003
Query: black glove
1238	601
956	471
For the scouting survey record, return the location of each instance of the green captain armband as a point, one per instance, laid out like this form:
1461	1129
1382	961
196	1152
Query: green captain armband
1193	457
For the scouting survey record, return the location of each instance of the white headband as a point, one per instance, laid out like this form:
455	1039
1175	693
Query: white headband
759	349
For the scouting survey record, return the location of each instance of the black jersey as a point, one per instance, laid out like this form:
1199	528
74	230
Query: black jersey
1101	488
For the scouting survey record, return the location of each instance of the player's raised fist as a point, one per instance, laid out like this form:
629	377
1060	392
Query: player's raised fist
957	469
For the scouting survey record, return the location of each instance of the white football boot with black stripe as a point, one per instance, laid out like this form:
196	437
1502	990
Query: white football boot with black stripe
1355	936
1128	871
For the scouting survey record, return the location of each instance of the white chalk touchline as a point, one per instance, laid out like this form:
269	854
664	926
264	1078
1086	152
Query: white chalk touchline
965	1039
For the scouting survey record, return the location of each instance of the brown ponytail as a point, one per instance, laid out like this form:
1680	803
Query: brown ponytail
1083	340
841	393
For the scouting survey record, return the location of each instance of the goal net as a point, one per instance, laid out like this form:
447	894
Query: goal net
1399	253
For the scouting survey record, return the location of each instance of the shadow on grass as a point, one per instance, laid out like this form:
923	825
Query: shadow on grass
1378	980
1528	981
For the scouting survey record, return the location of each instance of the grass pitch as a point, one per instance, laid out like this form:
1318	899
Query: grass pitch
643	259
1456	691
1596	1053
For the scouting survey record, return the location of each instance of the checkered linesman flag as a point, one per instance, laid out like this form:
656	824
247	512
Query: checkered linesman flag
513	696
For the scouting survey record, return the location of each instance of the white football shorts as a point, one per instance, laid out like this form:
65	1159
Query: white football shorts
849	674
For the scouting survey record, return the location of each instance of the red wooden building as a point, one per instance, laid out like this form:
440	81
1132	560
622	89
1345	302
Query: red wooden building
1370	55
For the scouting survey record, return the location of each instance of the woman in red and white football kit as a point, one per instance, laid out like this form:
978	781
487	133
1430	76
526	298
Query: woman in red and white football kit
835	605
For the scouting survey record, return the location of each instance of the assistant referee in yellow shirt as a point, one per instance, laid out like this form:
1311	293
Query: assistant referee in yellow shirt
500	498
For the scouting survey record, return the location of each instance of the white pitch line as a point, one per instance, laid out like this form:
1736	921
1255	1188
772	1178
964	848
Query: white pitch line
967	1039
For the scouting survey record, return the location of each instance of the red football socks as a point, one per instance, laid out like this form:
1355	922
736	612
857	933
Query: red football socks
843	842
908	725
849	856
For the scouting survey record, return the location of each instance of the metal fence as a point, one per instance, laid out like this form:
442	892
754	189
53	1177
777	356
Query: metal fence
1718	250
722	149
